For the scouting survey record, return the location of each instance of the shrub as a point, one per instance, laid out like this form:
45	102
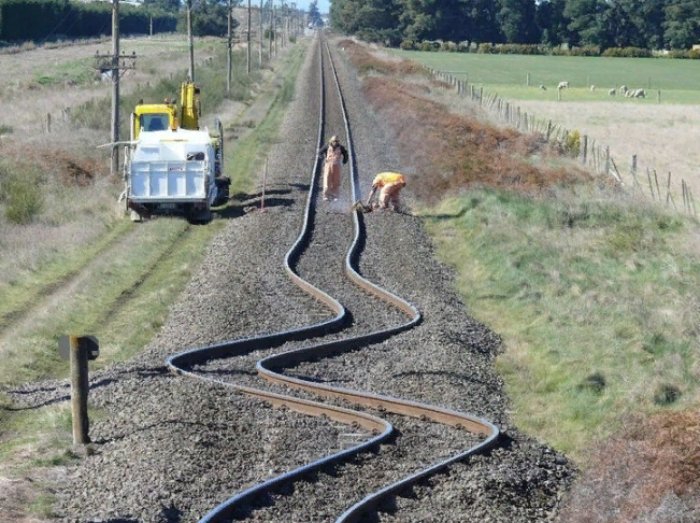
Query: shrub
21	195
429	45
572	143
595	383
666	394
588	50
627	52
408	44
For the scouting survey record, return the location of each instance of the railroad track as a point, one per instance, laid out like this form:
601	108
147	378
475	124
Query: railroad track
375	316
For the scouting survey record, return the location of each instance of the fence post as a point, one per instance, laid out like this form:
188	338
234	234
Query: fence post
585	149
656	181
651	187
669	197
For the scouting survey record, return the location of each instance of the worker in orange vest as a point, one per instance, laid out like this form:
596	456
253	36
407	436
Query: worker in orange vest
389	185
334	153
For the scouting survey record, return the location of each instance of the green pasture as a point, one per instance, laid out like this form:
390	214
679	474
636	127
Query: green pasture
507	75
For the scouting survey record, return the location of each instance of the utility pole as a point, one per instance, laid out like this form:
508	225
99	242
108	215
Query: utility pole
247	66
229	58
272	26
115	88
260	36
113	64
189	38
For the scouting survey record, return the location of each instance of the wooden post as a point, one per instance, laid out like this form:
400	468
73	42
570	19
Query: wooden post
248	49
634	171
651	187
607	159
260	36
549	129
669	197
685	196
114	167
79	390
229	48
48	123
190	39
656	182
527	80
264	182
692	202
584	149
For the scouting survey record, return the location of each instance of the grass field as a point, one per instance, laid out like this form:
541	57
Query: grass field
507	75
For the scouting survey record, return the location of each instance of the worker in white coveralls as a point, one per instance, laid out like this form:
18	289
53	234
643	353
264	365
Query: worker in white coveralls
389	185
334	153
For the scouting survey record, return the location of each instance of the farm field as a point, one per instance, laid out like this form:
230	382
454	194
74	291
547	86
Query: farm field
661	135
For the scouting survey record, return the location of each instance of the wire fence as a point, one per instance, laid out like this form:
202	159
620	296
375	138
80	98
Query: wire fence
592	155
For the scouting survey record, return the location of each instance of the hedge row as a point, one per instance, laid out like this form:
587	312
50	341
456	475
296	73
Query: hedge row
47	20
530	49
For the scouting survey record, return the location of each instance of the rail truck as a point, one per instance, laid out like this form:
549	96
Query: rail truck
172	166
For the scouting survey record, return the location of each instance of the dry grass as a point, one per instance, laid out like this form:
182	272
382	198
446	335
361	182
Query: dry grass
650	472
664	137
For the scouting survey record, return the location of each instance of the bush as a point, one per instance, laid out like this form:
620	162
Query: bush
627	52
429	45
666	394
572	143
21	195
588	50
408	44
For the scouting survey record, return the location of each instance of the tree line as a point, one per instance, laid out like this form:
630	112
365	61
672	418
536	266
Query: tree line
50	20
604	24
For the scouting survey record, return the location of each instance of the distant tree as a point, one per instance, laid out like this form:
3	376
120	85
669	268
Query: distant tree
314	14
373	20
169	6
587	21
517	21
210	17
482	14
682	25
553	23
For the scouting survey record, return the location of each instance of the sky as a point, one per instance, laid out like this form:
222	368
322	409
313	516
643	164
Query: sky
323	5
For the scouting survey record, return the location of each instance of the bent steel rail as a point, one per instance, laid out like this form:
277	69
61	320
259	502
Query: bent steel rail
270	367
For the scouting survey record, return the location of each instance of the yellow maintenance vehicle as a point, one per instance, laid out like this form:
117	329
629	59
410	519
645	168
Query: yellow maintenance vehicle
172	166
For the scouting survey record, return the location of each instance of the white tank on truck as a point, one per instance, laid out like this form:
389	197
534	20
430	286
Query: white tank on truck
172	166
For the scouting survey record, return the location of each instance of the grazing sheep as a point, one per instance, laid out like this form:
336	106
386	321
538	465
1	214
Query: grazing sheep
639	93
612	92
543	87
623	89
563	85
592	88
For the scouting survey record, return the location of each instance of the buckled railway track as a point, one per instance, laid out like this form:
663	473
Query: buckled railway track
375	316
